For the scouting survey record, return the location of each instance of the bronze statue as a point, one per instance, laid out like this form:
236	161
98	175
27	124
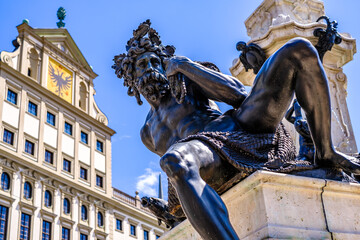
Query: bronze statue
306	145
204	151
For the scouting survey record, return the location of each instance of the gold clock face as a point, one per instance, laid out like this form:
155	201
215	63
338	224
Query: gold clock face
60	80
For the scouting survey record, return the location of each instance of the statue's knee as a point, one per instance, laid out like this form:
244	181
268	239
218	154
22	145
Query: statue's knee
172	163
301	48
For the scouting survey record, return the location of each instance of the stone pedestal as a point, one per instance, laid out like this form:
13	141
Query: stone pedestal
270	205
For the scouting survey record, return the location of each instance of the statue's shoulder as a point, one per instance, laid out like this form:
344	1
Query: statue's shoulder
145	134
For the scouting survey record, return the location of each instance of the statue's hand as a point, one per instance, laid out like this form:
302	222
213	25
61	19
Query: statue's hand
175	77
173	65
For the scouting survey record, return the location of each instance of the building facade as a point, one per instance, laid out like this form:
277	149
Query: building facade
55	148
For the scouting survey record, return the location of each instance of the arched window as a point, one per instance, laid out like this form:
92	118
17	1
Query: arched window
66	206
27	190
33	63
100	219
83	96
5	181
48	199
84	214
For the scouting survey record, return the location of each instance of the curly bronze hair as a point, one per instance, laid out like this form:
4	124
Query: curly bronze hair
124	64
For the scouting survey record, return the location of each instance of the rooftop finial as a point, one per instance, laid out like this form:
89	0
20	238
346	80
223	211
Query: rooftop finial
61	14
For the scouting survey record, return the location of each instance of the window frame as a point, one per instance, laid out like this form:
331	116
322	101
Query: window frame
83	206
13	137
86	171
62	233
28	191
27	226
16	92
100	221
70	165
51	113
4	222
87	137
69	206
121	224
86	237
130	232
102	182
47	226
45	199
148	235
52	157
102	145
30	102
32	153
70	133
8	183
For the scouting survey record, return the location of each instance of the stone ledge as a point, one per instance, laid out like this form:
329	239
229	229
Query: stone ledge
270	205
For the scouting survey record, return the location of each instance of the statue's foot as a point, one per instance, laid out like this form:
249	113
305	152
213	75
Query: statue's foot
340	160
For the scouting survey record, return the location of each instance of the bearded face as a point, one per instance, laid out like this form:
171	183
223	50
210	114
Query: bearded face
151	80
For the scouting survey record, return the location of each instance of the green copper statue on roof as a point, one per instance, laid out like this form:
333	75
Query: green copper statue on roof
61	14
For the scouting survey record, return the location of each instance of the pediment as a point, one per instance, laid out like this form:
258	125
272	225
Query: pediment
61	38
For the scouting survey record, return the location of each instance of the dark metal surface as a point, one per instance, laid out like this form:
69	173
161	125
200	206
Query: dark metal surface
306	145
61	14
327	37
252	56
194	167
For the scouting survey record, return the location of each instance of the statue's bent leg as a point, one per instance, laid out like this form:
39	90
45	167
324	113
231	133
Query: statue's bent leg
294	68
185	164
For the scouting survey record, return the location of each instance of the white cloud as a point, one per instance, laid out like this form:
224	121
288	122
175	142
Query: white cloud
148	182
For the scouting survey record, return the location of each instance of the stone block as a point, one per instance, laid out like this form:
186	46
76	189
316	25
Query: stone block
270	205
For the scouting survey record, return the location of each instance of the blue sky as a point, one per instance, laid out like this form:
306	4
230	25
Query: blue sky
201	30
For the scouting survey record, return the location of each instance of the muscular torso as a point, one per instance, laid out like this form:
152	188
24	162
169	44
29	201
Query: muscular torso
171	122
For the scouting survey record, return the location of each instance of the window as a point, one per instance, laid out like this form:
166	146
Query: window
67	166
27	190
118	224
25	227
46	230
5	182
99	146
84	137
157	237
84	213
29	147
3	221
65	234
50	118
32	108
68	128
132	230
49	157
146	235
8	137
100	219
99	181
66	206
12	97
47	198
83	173
83	236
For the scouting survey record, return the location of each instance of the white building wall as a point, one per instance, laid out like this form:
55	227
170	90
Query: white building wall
10	114
99	162
68	145
31	125
50	136
84	154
